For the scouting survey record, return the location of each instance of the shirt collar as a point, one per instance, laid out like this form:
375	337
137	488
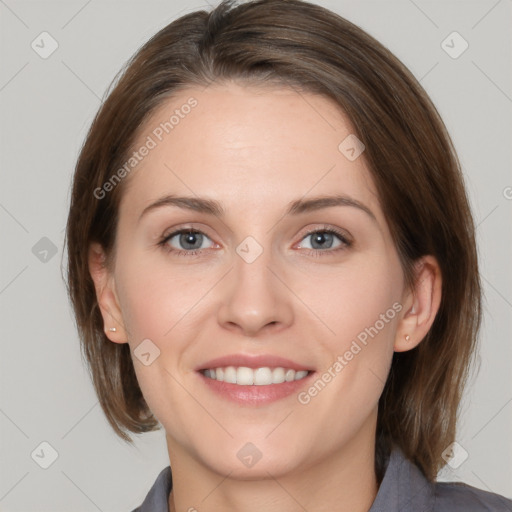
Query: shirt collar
404	488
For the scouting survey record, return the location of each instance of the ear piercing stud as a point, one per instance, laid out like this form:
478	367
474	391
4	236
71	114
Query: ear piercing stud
407	337
112	329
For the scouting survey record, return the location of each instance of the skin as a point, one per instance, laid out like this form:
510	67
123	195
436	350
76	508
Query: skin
255	150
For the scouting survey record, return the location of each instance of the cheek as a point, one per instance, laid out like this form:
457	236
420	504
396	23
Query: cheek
362	310
155	300
157	303
359	298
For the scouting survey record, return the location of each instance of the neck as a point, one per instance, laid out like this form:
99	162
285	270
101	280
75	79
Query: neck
345	481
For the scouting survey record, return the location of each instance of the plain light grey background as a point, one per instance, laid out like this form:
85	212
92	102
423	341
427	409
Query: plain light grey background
47	105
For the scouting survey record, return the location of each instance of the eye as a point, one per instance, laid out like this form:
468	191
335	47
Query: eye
324	240
185	242
190	242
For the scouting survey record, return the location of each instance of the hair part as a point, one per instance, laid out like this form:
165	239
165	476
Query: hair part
408	152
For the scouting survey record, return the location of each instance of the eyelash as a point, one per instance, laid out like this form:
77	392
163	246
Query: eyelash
312	252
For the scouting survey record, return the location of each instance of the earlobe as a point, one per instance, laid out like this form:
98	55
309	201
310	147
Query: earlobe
423	304
104	285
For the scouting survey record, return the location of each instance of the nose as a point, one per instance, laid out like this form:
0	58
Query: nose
255	298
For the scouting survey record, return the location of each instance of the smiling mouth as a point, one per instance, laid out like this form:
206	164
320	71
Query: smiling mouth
264	376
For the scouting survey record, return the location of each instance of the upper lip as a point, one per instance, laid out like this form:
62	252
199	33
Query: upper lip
252	361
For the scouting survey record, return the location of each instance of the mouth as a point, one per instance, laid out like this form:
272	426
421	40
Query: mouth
250	380
263	376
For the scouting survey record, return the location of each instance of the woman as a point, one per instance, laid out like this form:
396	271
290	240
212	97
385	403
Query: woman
271	254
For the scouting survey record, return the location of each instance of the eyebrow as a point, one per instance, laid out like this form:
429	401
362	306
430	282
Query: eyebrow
296	207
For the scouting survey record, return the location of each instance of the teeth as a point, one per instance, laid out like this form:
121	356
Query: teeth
278	375
263	376
229	375
244	376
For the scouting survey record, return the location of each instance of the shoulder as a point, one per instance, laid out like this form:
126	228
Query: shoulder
157	497
460	497
405	488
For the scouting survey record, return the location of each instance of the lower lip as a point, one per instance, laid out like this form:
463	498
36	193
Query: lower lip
256	395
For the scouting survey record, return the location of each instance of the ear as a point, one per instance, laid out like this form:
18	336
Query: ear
106	295
420	304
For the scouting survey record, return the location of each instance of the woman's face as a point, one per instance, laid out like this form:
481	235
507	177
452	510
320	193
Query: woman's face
252	287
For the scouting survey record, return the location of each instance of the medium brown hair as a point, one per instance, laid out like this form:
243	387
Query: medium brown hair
408	151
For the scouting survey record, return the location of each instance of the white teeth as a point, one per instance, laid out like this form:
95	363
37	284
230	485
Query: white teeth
301	374
264	376
229	375
244	376
289	375
278	375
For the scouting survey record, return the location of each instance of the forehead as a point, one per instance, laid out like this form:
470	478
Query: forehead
246	145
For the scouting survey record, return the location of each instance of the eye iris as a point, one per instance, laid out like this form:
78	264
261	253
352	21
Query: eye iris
320	238
190	238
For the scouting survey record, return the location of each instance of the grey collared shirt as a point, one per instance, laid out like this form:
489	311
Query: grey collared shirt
403	489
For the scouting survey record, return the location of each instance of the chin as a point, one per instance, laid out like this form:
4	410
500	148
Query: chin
263	469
